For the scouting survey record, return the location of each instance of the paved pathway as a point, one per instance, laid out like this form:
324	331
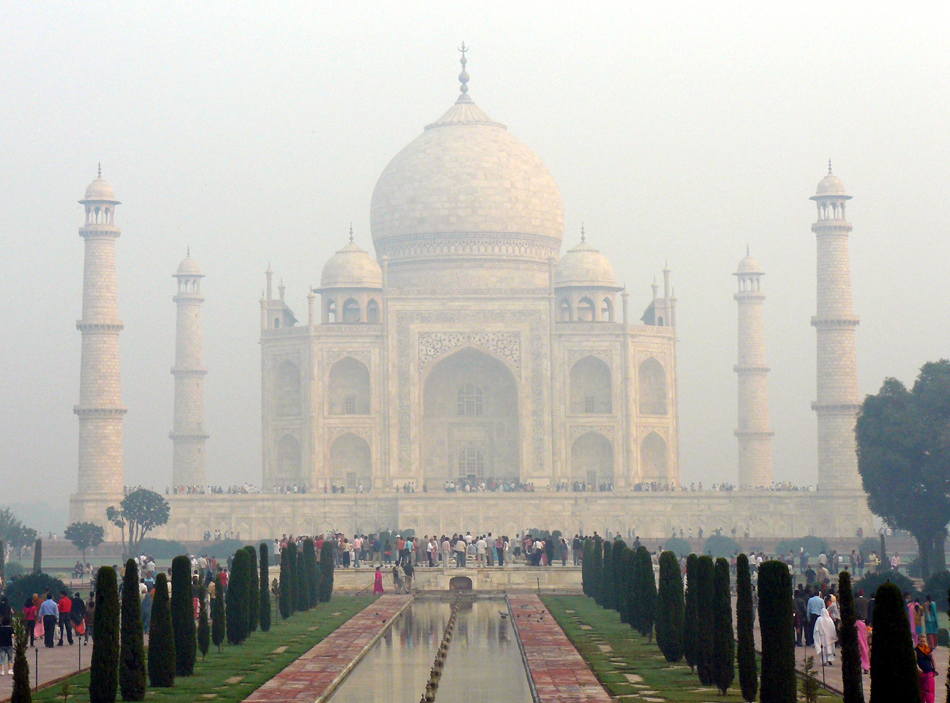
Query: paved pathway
318	672
51	664
559	672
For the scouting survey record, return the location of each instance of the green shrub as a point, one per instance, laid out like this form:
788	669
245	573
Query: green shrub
326	572
679	547
778	684
237	598
263	583
813	545
288	570
161	548
204	629
868	545
690	618
161	638
253	592
627	569
720	546
183	616
607	582
19	589
894	674
312	577
705	584
936	587
132	650
104	667
745	625
724	652
12	570
301	585
872	582
619	576
585	566
218	617
645	593
21	666
669	609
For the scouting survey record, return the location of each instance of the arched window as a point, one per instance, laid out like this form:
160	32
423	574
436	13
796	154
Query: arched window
585	310
372	311
471	462
351	311
591	387
654	459
349	388
607	311
652	388
565	311
288	389
331	311
470	400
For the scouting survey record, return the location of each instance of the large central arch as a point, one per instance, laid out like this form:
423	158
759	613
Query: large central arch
470	420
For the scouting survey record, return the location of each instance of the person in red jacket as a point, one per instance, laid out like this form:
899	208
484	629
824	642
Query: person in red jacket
65	607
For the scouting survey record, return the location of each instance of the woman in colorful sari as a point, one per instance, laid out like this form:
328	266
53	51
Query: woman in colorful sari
931	624
925	662
863	647
378	583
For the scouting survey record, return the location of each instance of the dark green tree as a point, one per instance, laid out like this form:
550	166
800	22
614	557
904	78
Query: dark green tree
596	567
237	599
288	570
21	665
670	609
894	674
615	586
645	593
724	644
264	585
778	684
183	616
625	570
585	566
301	587
607	581
84	535
745	625
218	617
852	682
138	514
38	556
326	572
904	458
690	617
254	593
104	667
3	561
704	615
204	627
132	647
161	638
885	564
310	569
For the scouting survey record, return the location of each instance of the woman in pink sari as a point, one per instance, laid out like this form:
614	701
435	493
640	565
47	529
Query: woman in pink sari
378	583
863	645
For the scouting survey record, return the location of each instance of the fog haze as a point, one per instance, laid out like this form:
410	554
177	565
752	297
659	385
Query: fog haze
254	133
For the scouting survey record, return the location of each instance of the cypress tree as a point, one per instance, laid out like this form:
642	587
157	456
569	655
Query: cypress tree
585	567
670	608
615	586
204	630
326	572
38	557
894	674
161	638
21	665
596	567
236	600
625	584
646	593
218	617
254	593
745	647
104	667
3	561
724	652
884	565
690	620
607	582
301	587
704	616
778	684
288	570
132	648
851	679
183	616
310	571
264	584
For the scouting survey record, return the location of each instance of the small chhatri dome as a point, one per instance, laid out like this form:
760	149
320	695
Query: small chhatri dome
584	266
189	267
99	190
748	264
351	267
831	185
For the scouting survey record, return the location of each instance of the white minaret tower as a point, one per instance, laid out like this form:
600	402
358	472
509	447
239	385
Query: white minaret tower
754	432
837	375
100	407
188	430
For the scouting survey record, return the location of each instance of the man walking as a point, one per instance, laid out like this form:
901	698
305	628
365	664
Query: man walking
65	607
815	606
48	613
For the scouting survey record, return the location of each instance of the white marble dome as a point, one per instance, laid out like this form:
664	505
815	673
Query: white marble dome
351	267
830	185
188	267
584	266
99	190
749	265
466	178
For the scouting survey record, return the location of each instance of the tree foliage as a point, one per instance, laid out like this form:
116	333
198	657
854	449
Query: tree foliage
690	617
253	590
104	668
237	599
14	532
705	583
724	652
326	572
670	609
38	556
204	628
84	535
288	570
720	546
23	587
778	684
132	649
618	576
138	514
161	638
301	587
645	593
894	674
183	616
904	458
218	616
870	582
21	665
264	585
848	638
745	644
311	575
607	581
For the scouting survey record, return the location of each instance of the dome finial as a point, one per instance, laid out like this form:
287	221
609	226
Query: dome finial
463	76
829	167
351	233
100	169
747	252
188	251
583	236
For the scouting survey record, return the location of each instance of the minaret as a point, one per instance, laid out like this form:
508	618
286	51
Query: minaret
188	430
754	431
837	375
100	407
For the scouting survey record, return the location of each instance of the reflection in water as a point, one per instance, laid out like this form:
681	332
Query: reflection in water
483	664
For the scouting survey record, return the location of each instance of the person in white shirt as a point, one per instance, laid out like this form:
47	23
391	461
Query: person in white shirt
480	547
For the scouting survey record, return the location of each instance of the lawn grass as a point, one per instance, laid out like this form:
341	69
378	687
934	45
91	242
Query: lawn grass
630	653
236	672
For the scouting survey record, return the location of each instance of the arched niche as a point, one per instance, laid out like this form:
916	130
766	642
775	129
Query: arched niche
470	404
351	311
592	460
288	389
565	314
288	461
653	392
351	462
349	388
372	311
591	387
654	459
586	310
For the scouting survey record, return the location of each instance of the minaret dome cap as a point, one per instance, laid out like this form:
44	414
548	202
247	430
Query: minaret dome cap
830	187
188	267
99	191
748	265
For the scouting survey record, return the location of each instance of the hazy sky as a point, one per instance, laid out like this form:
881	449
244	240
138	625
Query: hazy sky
254	132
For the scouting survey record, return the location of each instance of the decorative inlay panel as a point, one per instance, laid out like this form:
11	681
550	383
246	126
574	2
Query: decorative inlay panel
575	355
576	431
363	431
331	356
433	345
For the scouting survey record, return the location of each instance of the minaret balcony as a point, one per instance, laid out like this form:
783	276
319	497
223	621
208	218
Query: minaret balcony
838	321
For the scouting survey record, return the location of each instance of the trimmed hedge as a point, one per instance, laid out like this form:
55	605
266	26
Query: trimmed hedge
218	615
724	652
132	654
326	572
264	585
104	667
253	593
161	638
670	609
852	682
310	572
777	634
745	624
288	571
204	627
183	617
237	602
645	593
873	581
894	674
690	619
705	583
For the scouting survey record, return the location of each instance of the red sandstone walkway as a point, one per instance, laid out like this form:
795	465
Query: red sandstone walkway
559	672
53	663
317	673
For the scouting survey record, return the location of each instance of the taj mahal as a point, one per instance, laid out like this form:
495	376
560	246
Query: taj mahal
474	372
